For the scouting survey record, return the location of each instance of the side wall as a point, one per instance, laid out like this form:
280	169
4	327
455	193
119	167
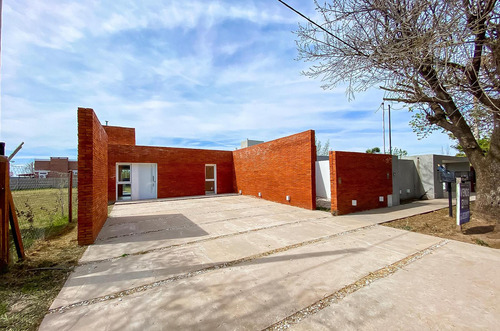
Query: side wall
279	168
92	176
323	179
409	185
359	181
181	171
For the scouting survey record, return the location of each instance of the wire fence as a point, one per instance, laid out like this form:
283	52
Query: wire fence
42	204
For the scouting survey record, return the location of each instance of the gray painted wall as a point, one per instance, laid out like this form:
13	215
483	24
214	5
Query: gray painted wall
410	186
422	179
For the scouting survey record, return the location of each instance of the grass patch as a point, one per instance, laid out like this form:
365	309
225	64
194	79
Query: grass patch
29	287
110	209
42	213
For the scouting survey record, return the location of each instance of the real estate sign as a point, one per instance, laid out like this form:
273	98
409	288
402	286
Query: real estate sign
463	202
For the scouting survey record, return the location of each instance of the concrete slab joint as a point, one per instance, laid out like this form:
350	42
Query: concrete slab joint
238	262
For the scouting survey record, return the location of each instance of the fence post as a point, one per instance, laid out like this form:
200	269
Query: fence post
70	197
4	211
14	225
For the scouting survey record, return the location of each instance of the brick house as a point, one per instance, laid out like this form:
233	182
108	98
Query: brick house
53	167
112	167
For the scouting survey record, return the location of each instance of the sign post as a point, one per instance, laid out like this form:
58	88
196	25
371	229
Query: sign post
463	202
447	177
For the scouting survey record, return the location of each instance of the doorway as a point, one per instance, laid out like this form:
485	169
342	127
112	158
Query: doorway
210	179
136	181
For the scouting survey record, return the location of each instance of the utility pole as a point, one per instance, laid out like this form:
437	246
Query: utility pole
383	123
390	133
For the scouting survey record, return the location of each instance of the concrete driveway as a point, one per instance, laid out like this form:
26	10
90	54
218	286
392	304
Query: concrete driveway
236	262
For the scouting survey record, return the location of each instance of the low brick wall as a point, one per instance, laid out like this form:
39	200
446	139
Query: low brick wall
364	179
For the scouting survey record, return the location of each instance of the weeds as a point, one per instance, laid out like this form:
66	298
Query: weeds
481	242
407	227
29	287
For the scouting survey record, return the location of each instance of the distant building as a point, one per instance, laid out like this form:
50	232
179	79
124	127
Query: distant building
53	167
247	143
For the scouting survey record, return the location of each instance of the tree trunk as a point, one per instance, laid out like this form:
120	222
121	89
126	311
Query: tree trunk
488	186
488	190
487	175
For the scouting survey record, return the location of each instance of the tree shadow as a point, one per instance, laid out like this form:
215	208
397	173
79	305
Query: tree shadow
480	229
147	228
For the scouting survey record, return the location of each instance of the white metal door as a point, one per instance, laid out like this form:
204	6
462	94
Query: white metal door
143	181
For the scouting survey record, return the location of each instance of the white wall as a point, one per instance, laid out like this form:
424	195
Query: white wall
323	179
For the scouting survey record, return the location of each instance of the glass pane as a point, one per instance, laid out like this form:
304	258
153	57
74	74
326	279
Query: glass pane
124	173
209	172
124	192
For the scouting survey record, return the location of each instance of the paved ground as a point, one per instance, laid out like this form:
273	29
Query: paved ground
236	262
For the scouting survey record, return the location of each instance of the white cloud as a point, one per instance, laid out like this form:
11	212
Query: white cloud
188	72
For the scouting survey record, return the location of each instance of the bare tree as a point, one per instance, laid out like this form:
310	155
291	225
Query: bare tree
440	57
29	168
322	150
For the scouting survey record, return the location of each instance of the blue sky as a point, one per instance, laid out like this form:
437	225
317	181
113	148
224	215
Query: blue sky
200	74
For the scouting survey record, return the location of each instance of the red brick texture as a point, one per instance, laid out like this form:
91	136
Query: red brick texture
55	166
92	176
181	171
279	168
120	136
361	177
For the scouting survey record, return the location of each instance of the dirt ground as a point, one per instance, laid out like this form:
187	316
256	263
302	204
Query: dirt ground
478	231
29	287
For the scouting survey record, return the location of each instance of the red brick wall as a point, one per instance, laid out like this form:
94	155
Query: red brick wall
56	166
42	165
361	177
120	136
279	168
181	171
59	164
73	165
92	176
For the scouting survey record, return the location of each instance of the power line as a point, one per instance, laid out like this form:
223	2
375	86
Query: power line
316	24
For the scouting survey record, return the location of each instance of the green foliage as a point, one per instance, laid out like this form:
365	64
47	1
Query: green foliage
420	125
484	144
395	151
374	150
399	152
